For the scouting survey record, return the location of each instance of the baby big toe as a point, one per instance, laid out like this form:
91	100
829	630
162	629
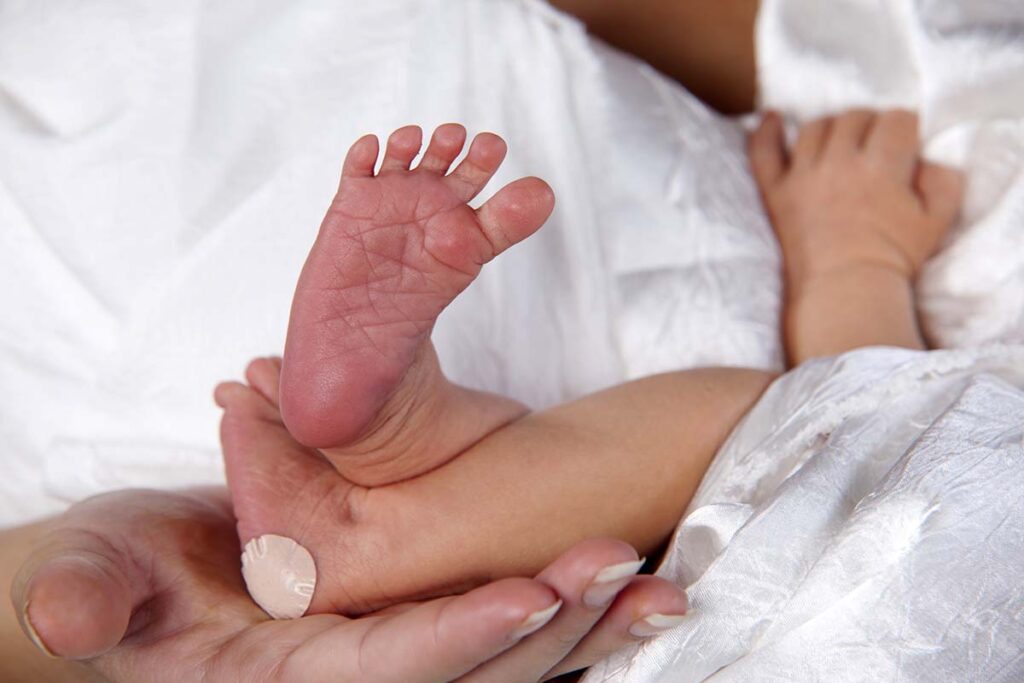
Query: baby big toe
516	212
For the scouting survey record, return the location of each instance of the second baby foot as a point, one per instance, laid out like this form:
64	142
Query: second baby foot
360	379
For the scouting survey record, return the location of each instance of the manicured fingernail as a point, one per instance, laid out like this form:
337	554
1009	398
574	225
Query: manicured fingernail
654	624
535	621
35	636
608	582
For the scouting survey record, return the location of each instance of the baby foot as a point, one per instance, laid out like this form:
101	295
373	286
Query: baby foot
360	379
366	555
280	487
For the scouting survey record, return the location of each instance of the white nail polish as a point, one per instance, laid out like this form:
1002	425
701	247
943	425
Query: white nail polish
535	621
654	624
280	575
608	582
34	636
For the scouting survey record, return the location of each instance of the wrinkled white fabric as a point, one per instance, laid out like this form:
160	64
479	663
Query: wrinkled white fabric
166	165
865	522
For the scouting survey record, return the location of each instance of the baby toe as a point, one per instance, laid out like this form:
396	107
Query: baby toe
446	143
403	146
484	157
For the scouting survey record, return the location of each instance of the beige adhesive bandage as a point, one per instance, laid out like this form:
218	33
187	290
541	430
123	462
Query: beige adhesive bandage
280	575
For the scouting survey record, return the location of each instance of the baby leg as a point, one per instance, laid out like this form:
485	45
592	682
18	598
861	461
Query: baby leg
622	463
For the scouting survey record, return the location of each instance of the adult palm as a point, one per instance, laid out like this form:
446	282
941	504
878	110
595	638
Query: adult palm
145	586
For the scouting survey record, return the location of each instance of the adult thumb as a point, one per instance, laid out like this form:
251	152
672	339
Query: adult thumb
73	595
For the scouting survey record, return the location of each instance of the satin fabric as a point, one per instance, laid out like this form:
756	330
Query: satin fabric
865	522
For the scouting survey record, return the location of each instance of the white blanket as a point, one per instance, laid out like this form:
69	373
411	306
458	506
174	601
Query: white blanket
165	167
865	522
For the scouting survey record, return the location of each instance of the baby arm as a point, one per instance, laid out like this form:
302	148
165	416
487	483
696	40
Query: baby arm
857	213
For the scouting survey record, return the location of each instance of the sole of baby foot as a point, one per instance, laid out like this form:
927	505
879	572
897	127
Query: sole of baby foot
360	380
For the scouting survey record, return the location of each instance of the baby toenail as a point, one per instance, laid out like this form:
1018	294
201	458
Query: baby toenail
280	575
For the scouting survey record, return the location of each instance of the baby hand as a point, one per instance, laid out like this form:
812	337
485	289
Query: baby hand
853	192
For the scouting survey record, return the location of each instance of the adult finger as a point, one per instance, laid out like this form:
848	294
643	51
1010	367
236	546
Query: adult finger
75	593
586	578
438	640
649	605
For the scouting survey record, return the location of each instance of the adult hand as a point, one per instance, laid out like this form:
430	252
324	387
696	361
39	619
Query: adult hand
146	585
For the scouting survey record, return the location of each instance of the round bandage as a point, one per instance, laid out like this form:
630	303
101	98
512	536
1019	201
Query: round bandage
280	575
